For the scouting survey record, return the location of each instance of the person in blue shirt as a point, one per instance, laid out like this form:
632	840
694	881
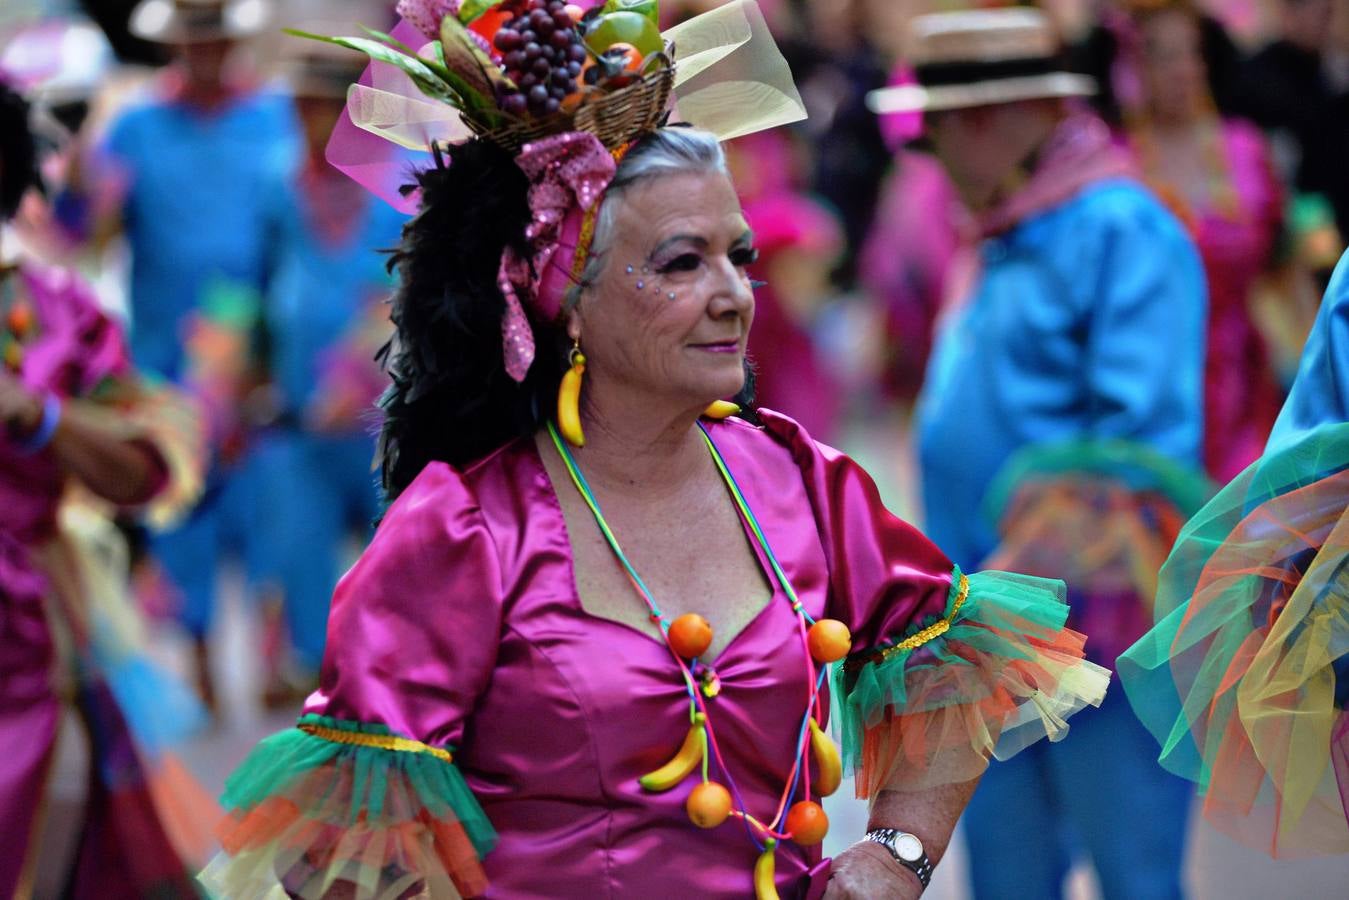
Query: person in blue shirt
1244	679
1059	427
187	170
325	318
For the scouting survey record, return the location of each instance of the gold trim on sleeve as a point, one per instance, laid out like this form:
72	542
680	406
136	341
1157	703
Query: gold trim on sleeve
918	638
378	741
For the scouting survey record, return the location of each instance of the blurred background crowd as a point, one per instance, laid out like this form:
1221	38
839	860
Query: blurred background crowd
183	173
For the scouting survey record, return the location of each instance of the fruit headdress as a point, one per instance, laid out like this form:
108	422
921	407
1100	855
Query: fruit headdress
565	90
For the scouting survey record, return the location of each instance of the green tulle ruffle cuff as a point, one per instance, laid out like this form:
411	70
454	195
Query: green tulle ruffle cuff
995	672
280	760
348	806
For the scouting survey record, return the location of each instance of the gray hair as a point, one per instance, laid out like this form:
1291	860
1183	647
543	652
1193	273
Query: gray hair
667	151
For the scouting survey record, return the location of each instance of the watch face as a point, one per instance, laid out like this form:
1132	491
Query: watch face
908	848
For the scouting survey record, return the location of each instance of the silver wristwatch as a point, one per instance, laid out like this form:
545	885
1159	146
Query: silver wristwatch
906	849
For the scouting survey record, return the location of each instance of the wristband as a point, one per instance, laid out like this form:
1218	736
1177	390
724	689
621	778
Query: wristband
46	429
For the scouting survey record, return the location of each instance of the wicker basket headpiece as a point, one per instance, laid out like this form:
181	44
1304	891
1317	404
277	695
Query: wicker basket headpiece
615	117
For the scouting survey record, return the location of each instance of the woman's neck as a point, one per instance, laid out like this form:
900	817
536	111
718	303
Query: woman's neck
638	443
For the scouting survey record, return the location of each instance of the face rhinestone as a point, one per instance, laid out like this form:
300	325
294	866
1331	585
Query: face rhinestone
629	270
640	285
670	296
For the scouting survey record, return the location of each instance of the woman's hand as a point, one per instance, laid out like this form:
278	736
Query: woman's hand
20	408
866	870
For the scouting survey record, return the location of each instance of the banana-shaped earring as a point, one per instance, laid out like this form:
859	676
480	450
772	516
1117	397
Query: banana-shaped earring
569	398
721	409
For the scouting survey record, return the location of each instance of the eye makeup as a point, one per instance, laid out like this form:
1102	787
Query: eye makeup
675	258
686	252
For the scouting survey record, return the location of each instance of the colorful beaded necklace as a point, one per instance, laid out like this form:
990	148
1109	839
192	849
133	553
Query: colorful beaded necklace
17	325
710	804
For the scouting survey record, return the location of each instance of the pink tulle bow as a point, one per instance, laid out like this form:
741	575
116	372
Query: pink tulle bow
568	174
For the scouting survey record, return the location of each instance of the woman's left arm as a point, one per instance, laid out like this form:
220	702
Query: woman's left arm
867	869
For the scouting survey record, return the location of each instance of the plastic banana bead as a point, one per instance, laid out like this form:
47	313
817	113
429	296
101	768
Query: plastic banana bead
688	758
764	870
827	759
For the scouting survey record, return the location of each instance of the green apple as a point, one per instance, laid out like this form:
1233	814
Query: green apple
627	28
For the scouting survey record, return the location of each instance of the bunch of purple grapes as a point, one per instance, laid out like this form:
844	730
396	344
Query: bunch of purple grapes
542	52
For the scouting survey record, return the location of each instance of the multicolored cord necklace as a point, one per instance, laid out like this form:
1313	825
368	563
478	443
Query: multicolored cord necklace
688	638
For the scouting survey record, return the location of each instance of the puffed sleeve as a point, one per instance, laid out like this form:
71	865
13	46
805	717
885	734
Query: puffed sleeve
946	669
365	791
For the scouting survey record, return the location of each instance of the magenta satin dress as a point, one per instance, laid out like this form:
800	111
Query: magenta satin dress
124	847
461	625
478	733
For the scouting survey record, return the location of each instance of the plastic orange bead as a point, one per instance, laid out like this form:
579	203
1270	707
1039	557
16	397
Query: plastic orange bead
20	319
829	640
690	635
708	805
807	823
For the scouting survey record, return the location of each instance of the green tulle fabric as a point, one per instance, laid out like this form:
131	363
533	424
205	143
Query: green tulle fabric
1235	679
282	759
1136	466
1004	674
1150	668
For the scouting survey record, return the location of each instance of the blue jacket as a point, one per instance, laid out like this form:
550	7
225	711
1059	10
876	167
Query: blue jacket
1087	322
194	209
319	292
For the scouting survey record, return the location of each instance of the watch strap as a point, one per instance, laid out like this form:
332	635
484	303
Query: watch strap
886	837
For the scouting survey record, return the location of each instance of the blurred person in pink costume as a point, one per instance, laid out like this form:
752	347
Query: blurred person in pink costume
798	240
913	249
1215	173
81	435
577	657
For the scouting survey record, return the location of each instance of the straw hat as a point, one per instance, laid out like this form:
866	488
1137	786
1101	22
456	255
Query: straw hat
321	70
979	58
190	21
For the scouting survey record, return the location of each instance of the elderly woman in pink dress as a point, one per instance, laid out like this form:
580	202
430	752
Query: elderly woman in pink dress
1216	174
586	651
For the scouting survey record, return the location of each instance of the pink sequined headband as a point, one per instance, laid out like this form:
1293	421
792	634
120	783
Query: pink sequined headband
568	175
